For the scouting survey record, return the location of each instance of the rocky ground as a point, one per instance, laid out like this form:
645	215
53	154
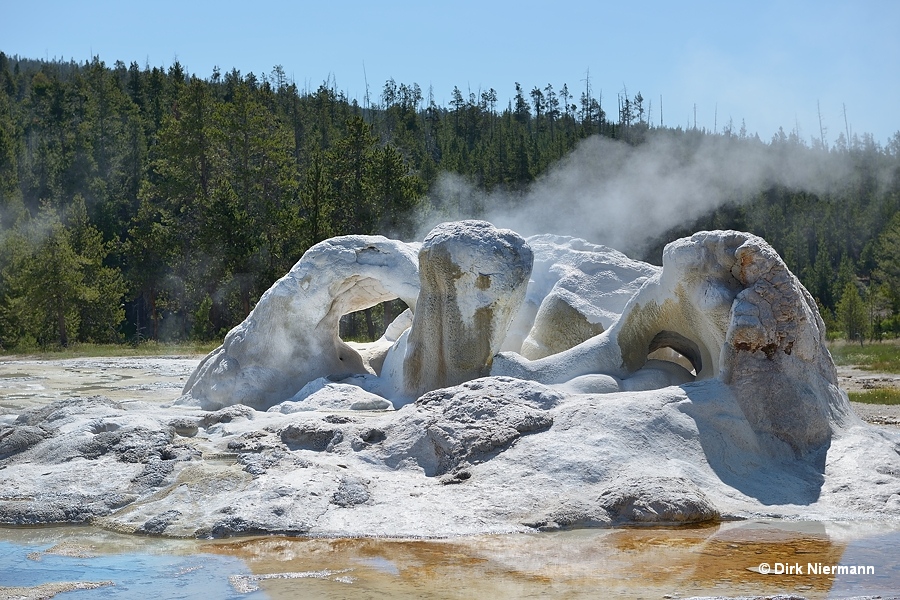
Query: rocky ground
853	379
26	382
95	440
878	414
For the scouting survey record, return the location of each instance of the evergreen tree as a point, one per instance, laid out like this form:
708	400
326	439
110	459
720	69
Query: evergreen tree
9	163
852	315
149	253
48	286
353	210
888	260
100	311
394	191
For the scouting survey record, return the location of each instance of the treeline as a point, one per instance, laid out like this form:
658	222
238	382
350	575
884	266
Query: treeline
145	203
842	241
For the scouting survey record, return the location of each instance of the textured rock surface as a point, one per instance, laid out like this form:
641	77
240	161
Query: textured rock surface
323	394
476	293
291	336
577	290
727	302
473	280
490	455
655	499
596	435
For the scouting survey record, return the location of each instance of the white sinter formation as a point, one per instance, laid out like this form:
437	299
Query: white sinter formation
536	384
292	335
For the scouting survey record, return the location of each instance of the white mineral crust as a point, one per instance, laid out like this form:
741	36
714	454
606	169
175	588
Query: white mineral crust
625	393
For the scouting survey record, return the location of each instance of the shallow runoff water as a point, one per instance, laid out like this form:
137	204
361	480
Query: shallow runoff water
809	559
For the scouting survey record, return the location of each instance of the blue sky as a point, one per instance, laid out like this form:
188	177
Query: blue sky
765	62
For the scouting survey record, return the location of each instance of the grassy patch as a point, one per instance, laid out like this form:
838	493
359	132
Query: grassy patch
882	356
117	350
879	396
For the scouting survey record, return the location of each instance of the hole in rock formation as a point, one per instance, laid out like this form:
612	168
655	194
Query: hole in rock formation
674	347
372	332
368	325
669	355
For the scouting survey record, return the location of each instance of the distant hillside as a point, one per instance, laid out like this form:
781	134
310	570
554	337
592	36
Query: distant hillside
144	203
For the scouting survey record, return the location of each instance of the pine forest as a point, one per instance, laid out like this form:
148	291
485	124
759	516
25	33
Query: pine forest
144	203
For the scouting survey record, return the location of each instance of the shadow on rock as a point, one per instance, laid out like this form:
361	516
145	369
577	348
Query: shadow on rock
758	465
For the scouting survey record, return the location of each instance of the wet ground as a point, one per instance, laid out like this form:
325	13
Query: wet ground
65	561
626	563
721	560
27	382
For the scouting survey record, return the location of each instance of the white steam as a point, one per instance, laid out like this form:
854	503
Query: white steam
626	197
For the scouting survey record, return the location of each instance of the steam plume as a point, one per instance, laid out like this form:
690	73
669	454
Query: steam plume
626	196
